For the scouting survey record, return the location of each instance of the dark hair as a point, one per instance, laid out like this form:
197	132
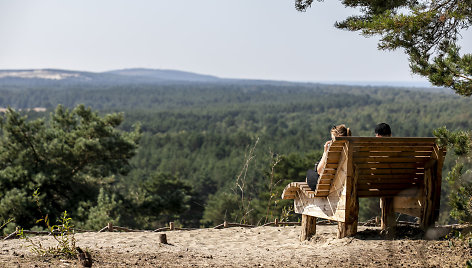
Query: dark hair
383	129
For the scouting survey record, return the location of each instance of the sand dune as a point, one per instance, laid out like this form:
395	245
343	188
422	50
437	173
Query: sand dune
243	247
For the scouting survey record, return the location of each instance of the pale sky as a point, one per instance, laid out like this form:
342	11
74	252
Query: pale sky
254	39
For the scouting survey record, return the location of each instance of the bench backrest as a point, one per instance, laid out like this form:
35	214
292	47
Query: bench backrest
384	167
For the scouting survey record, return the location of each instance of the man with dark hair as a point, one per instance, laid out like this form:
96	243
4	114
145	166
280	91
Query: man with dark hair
383	130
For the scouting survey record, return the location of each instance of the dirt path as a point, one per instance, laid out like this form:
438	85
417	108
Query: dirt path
241	247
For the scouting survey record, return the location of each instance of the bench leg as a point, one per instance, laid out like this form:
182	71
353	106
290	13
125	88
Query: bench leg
349	227
351	217
388	221
428	213
308	227
346	229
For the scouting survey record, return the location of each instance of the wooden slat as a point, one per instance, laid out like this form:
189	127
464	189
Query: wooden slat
394	144
334	154
399	192
325	181
305	188
392	154
386	139
333	160
335	148
327	176
331	166
368	171
323	186
391	159
374	148
390	182
387	177
390	165
323	190
290	191
327	170
384	186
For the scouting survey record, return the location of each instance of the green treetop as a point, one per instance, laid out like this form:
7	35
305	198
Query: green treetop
65	158
428	32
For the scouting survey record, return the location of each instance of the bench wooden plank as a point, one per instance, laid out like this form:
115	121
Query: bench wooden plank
331	208
333	160
323	186
390	193
386	139
374	148
390	182
331	166
327	176
390	159
390	165
335	148
393	154
370	171
390	177
289	196
330	171
391	186
414	146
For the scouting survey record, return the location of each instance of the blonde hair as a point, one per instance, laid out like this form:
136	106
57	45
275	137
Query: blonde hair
340	130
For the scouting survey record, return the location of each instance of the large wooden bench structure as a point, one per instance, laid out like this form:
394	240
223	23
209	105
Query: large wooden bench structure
405	173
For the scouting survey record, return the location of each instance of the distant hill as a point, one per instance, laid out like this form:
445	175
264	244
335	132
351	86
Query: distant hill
32	79
164	75
38	77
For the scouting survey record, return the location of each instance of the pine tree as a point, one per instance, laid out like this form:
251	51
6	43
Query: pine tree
428	32
65	158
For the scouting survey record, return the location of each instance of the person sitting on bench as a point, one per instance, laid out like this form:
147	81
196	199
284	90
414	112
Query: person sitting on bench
336	131
383	130
313	175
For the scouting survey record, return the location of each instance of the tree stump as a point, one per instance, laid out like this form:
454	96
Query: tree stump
163	238
84	257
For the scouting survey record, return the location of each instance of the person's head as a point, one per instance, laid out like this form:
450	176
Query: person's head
383	130
340	130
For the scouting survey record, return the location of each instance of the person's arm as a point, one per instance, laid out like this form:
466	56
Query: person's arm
322	162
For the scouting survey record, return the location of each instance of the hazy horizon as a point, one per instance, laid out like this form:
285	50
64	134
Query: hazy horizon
423	84
244	39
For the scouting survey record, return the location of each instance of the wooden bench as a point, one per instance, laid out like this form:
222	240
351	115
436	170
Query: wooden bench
405	173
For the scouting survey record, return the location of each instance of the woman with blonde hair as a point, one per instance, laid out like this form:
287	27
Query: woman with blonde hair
312	175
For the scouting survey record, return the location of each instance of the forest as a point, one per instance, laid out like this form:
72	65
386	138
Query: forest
196	153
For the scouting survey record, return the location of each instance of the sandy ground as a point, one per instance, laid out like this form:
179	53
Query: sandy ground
242	247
